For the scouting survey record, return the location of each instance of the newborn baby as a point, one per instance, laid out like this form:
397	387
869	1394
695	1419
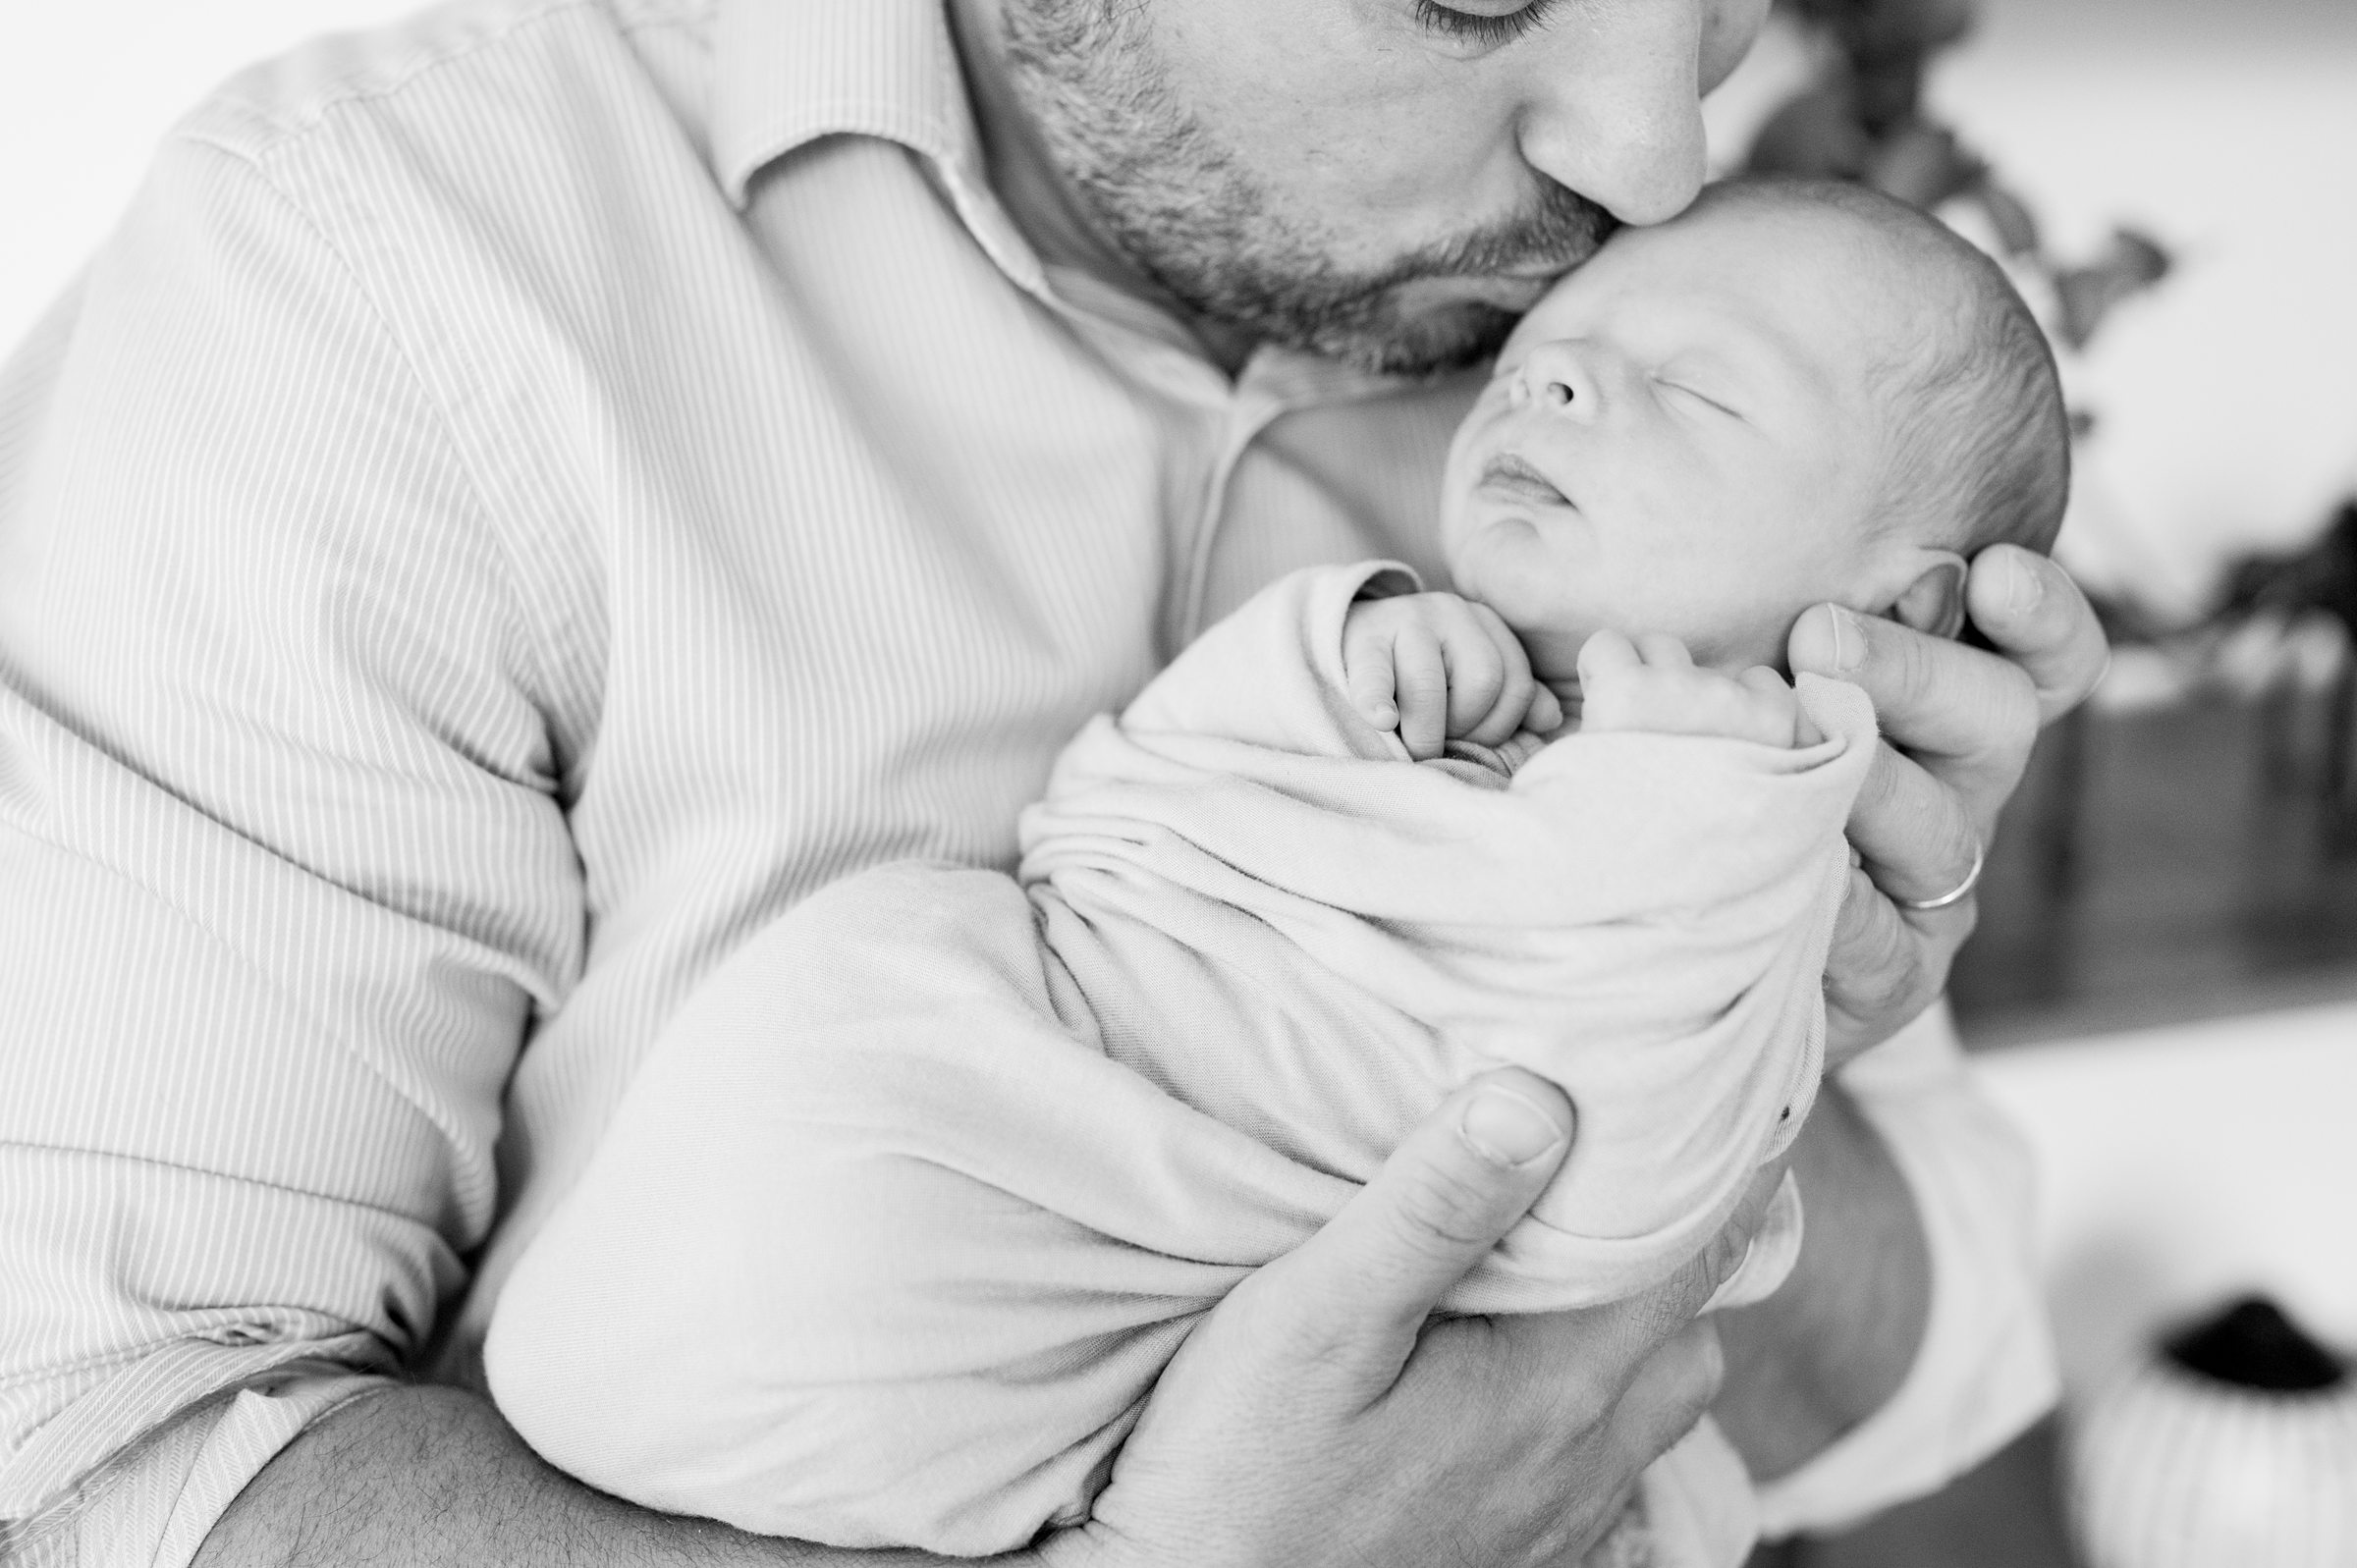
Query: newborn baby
904	1213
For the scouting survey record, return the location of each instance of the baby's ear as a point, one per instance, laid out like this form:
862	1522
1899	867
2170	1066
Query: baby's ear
1934	601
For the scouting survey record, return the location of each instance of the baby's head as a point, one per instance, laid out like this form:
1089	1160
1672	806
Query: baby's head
1793	392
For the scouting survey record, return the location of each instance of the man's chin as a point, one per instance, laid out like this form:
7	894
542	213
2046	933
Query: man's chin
1440	334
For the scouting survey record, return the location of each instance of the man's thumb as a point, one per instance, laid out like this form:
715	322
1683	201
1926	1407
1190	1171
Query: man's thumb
1436	1209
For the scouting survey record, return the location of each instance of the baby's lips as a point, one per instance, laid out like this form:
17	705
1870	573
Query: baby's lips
1510	476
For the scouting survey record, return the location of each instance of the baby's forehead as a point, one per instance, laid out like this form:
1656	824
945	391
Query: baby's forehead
1819	282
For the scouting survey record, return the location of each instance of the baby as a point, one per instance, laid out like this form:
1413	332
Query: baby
904	1213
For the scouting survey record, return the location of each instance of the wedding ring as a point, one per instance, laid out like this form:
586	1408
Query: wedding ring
1954	895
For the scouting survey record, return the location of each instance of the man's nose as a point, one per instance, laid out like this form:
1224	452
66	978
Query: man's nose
1615	107
1562	378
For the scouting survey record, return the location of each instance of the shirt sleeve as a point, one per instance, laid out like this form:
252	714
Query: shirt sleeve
283	868
1986	1368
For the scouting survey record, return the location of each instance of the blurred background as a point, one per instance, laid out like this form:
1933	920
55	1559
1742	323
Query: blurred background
2164	989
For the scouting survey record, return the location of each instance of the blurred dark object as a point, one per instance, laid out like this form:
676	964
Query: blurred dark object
2252	1345
2235	1445
2186	845
1887	42
2163	862
2084	295
2322	577
2316	583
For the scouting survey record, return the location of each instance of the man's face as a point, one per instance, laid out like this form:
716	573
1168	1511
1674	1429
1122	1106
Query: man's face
1390	181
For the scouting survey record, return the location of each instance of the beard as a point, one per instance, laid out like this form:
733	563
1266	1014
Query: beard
1183	210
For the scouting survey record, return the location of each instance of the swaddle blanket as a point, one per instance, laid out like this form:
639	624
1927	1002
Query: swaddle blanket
909	1206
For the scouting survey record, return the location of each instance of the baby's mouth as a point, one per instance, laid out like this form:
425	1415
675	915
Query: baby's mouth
1512	478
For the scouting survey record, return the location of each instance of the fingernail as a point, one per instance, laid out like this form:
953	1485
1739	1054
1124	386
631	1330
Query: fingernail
2023	587
1849	639
1507	1130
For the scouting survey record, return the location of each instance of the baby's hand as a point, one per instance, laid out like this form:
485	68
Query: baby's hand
1653	685
1439	668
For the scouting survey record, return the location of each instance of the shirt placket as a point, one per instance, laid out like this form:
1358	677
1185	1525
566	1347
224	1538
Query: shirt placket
1212	422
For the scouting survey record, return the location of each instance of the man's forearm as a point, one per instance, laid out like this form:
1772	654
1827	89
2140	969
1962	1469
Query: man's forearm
1830	1348
431	1476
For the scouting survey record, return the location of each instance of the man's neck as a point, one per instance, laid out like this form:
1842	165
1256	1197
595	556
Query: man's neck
1043	205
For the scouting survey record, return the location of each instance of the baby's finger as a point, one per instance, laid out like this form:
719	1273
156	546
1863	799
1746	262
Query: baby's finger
1477	675
1546	714
1605	655
1367	668
1420	681
1663	652
1778	701
1516	688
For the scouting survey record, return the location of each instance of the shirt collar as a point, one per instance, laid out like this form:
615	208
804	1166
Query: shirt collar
789	72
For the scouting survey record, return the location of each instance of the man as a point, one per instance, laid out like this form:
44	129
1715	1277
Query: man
529	494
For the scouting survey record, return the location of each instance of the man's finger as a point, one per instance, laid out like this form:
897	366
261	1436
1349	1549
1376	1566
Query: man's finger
1885	967
1365	1284
2031	610
1670	1392
1625	1332
1918	838
1969	717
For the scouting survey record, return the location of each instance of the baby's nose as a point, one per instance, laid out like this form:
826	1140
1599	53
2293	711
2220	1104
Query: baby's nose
1556	377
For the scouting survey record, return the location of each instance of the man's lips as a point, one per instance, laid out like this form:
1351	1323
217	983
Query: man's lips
1508	477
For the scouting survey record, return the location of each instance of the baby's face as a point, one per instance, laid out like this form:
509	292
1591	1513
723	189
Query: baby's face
1680	439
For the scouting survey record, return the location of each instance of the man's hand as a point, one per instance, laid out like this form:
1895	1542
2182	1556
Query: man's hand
1317	1416
1440	668
1652	685
1959	724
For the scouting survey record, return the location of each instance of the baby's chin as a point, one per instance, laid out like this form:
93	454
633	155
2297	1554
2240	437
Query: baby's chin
1534	608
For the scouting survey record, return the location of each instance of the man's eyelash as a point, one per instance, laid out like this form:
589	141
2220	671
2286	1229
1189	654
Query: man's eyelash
1472	27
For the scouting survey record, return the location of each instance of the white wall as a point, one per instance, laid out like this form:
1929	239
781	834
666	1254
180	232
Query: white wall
2228	128
2182	1166
87	87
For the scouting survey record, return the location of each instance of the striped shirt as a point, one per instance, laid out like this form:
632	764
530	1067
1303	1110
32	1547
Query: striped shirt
526	495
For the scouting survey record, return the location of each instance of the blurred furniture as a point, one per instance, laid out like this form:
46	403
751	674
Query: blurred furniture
2186	860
